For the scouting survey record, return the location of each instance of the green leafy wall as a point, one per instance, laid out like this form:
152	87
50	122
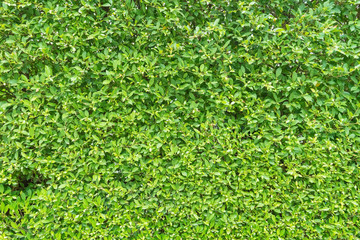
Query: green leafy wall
149	119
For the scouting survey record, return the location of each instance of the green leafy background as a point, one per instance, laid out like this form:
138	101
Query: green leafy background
149	119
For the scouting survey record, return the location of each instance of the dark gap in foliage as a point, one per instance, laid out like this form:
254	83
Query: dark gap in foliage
6	93
29	179
283	166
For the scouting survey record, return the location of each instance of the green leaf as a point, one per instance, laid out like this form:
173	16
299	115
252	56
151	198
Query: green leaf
14	225
308	98
48	71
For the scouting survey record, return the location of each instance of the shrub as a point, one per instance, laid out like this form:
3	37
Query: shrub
148	119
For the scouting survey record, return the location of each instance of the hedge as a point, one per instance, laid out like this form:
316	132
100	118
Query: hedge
196	119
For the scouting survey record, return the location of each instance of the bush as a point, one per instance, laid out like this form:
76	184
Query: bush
148	119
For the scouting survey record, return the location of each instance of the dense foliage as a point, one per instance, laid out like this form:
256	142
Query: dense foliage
149	119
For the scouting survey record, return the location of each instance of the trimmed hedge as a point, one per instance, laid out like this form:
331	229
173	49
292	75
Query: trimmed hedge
149	119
